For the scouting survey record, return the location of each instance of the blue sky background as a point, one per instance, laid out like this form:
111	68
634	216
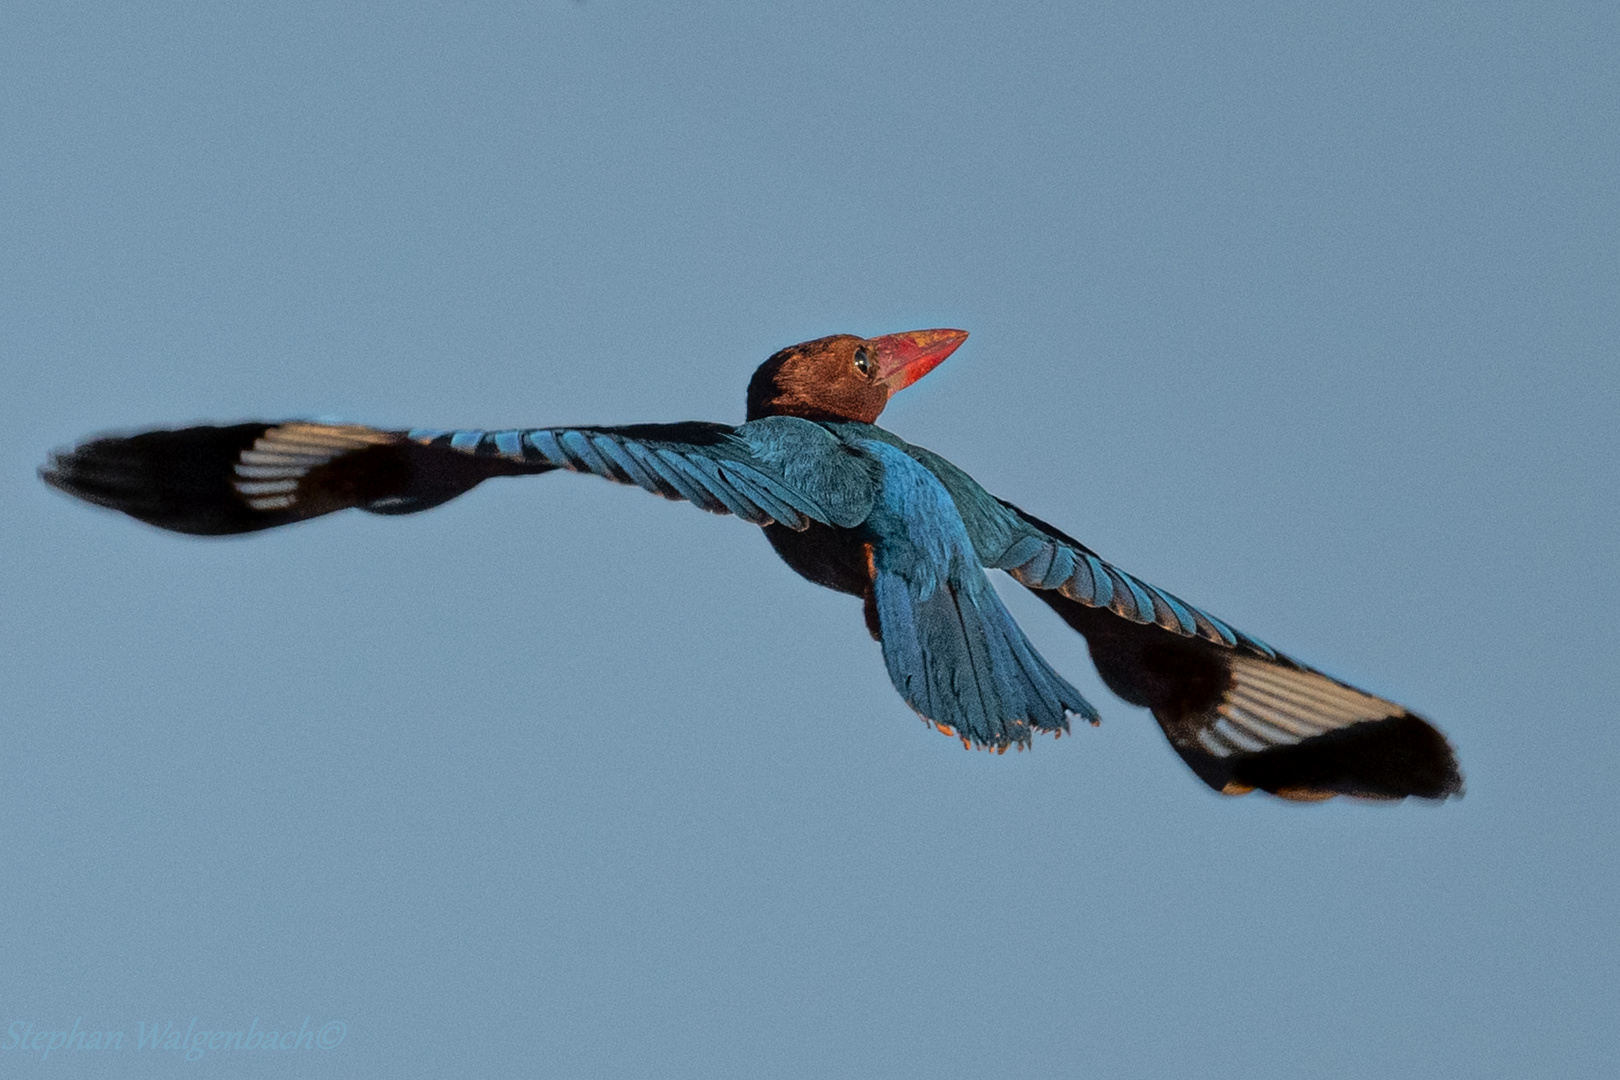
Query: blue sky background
1308	315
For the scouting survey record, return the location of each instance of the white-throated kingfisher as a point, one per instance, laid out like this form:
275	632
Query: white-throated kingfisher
855	508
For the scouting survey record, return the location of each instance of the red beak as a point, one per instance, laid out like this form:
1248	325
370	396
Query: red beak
902	359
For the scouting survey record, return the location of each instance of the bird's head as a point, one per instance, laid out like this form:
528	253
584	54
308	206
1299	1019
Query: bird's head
844	377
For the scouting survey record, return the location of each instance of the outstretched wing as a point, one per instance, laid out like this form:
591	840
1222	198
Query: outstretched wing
1243	715
753	471
245	477
1044	559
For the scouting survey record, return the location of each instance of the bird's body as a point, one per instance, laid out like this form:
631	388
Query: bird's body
852	507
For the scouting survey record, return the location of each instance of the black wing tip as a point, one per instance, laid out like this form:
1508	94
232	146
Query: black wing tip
178	480
1393	758
185	479
55	472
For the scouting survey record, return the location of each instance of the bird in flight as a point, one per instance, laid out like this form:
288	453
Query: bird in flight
854	508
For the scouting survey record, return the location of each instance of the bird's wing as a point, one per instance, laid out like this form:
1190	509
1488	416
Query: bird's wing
1240	713
244	477
952	649
1243	715
783	470
1044	559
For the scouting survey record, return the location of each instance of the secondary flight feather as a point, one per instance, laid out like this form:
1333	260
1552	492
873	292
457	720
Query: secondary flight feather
852	507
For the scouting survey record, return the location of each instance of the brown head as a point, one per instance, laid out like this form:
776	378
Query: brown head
844	377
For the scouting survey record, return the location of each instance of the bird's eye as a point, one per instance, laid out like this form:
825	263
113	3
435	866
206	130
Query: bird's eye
863	362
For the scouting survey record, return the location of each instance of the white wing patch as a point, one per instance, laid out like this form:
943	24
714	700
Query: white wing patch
268	473
1268	705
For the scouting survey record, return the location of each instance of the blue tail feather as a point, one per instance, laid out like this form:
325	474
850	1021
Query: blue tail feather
956	656
952	649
